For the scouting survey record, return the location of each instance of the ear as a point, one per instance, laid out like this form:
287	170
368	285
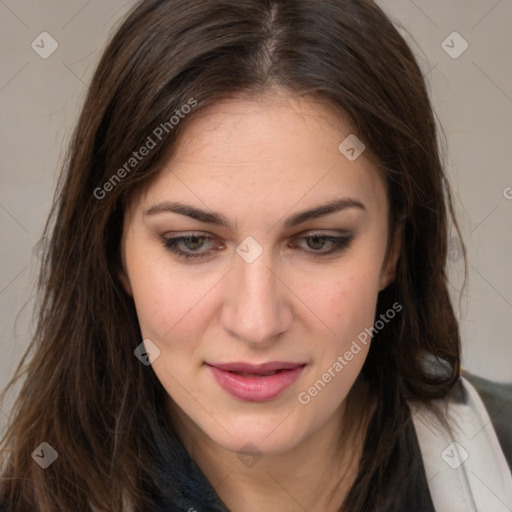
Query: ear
125	281
388	271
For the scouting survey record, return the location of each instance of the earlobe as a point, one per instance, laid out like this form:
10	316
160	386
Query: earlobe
388	273
126	283
387	277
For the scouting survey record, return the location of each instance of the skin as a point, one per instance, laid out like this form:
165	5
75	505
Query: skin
257	162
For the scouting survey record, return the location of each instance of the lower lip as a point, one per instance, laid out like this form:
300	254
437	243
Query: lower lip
256	389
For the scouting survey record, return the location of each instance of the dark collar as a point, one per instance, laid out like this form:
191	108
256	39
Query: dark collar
182	485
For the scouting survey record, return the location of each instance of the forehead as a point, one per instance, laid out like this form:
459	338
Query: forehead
277	124
274	148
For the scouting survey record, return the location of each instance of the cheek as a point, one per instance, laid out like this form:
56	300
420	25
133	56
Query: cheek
345	299
172	306
347	306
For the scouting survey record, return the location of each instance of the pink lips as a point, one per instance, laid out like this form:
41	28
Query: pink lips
249	382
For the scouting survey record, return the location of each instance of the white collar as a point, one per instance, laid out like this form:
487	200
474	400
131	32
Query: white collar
465	468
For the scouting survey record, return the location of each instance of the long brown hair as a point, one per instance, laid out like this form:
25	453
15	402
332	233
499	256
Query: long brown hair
84	392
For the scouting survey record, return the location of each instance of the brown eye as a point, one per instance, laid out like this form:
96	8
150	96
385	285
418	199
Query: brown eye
320	244
191	246
194	242
316	242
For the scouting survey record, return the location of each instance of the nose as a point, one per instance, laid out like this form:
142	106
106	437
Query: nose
257	307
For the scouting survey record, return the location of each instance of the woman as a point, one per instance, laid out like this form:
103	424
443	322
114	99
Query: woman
245	303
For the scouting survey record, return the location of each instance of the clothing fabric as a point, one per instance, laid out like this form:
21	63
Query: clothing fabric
465	466
184	487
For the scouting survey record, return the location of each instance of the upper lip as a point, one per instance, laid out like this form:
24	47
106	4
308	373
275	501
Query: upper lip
256	368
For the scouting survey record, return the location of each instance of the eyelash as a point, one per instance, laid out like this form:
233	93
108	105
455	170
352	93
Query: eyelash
171	243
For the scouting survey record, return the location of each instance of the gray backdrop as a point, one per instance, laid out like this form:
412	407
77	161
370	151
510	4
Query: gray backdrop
48	53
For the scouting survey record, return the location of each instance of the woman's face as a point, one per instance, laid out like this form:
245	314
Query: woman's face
262	274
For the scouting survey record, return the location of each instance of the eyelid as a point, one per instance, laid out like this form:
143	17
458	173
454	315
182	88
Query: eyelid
183	236
324	232
188	234
340	240
304	234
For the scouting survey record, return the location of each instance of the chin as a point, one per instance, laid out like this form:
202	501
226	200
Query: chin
255	437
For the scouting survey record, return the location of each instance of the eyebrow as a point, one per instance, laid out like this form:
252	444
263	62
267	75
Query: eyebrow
218	219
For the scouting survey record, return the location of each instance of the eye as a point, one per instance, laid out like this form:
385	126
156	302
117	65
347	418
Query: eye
320	244
200	245
190	246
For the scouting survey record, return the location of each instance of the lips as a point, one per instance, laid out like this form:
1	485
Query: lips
256	368
256	383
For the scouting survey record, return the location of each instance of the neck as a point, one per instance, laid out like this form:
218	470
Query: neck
315	475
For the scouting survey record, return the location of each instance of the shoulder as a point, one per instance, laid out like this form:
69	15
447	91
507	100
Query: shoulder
497	398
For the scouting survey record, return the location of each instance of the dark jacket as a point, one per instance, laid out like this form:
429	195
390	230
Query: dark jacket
184	488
